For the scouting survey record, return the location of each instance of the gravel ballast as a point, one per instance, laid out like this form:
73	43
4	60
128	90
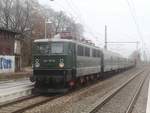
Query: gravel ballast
79	101
120	102
141	103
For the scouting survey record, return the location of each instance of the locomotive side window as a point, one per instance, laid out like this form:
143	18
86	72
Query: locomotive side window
80	50
94	53
87	51
57	48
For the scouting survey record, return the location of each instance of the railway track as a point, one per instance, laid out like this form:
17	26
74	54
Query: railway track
113	92
135	97
23	104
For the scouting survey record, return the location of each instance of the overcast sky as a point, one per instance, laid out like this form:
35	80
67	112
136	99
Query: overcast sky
116	14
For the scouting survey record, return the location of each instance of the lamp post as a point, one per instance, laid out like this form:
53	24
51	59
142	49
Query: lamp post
46	22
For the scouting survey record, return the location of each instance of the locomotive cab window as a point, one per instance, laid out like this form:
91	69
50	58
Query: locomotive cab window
41	48
57	48
50	48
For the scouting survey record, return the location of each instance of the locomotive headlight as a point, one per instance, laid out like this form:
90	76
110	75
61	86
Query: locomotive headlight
37	64
61	64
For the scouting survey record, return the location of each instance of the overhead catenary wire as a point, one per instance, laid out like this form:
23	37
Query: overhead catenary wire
73	10
66	10
87	28
77	12
134	16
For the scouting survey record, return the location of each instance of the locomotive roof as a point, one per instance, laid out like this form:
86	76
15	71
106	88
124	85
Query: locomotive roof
53	40
65	40
106	52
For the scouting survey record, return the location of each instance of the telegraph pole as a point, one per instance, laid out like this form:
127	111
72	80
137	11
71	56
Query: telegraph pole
105	37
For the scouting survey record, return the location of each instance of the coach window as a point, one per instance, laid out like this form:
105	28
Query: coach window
80	50
111	59
94	53
98	53
87	51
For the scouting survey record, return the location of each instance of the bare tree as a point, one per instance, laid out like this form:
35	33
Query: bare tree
28	17
15	14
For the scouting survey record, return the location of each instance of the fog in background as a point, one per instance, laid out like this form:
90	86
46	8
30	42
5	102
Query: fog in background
126	20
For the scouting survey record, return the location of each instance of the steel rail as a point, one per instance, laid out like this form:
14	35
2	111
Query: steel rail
5	104
21	109
34	105
135	97
113	92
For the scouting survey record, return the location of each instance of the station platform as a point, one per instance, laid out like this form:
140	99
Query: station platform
12	89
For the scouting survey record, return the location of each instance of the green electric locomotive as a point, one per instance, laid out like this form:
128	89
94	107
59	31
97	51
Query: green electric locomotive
58	64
